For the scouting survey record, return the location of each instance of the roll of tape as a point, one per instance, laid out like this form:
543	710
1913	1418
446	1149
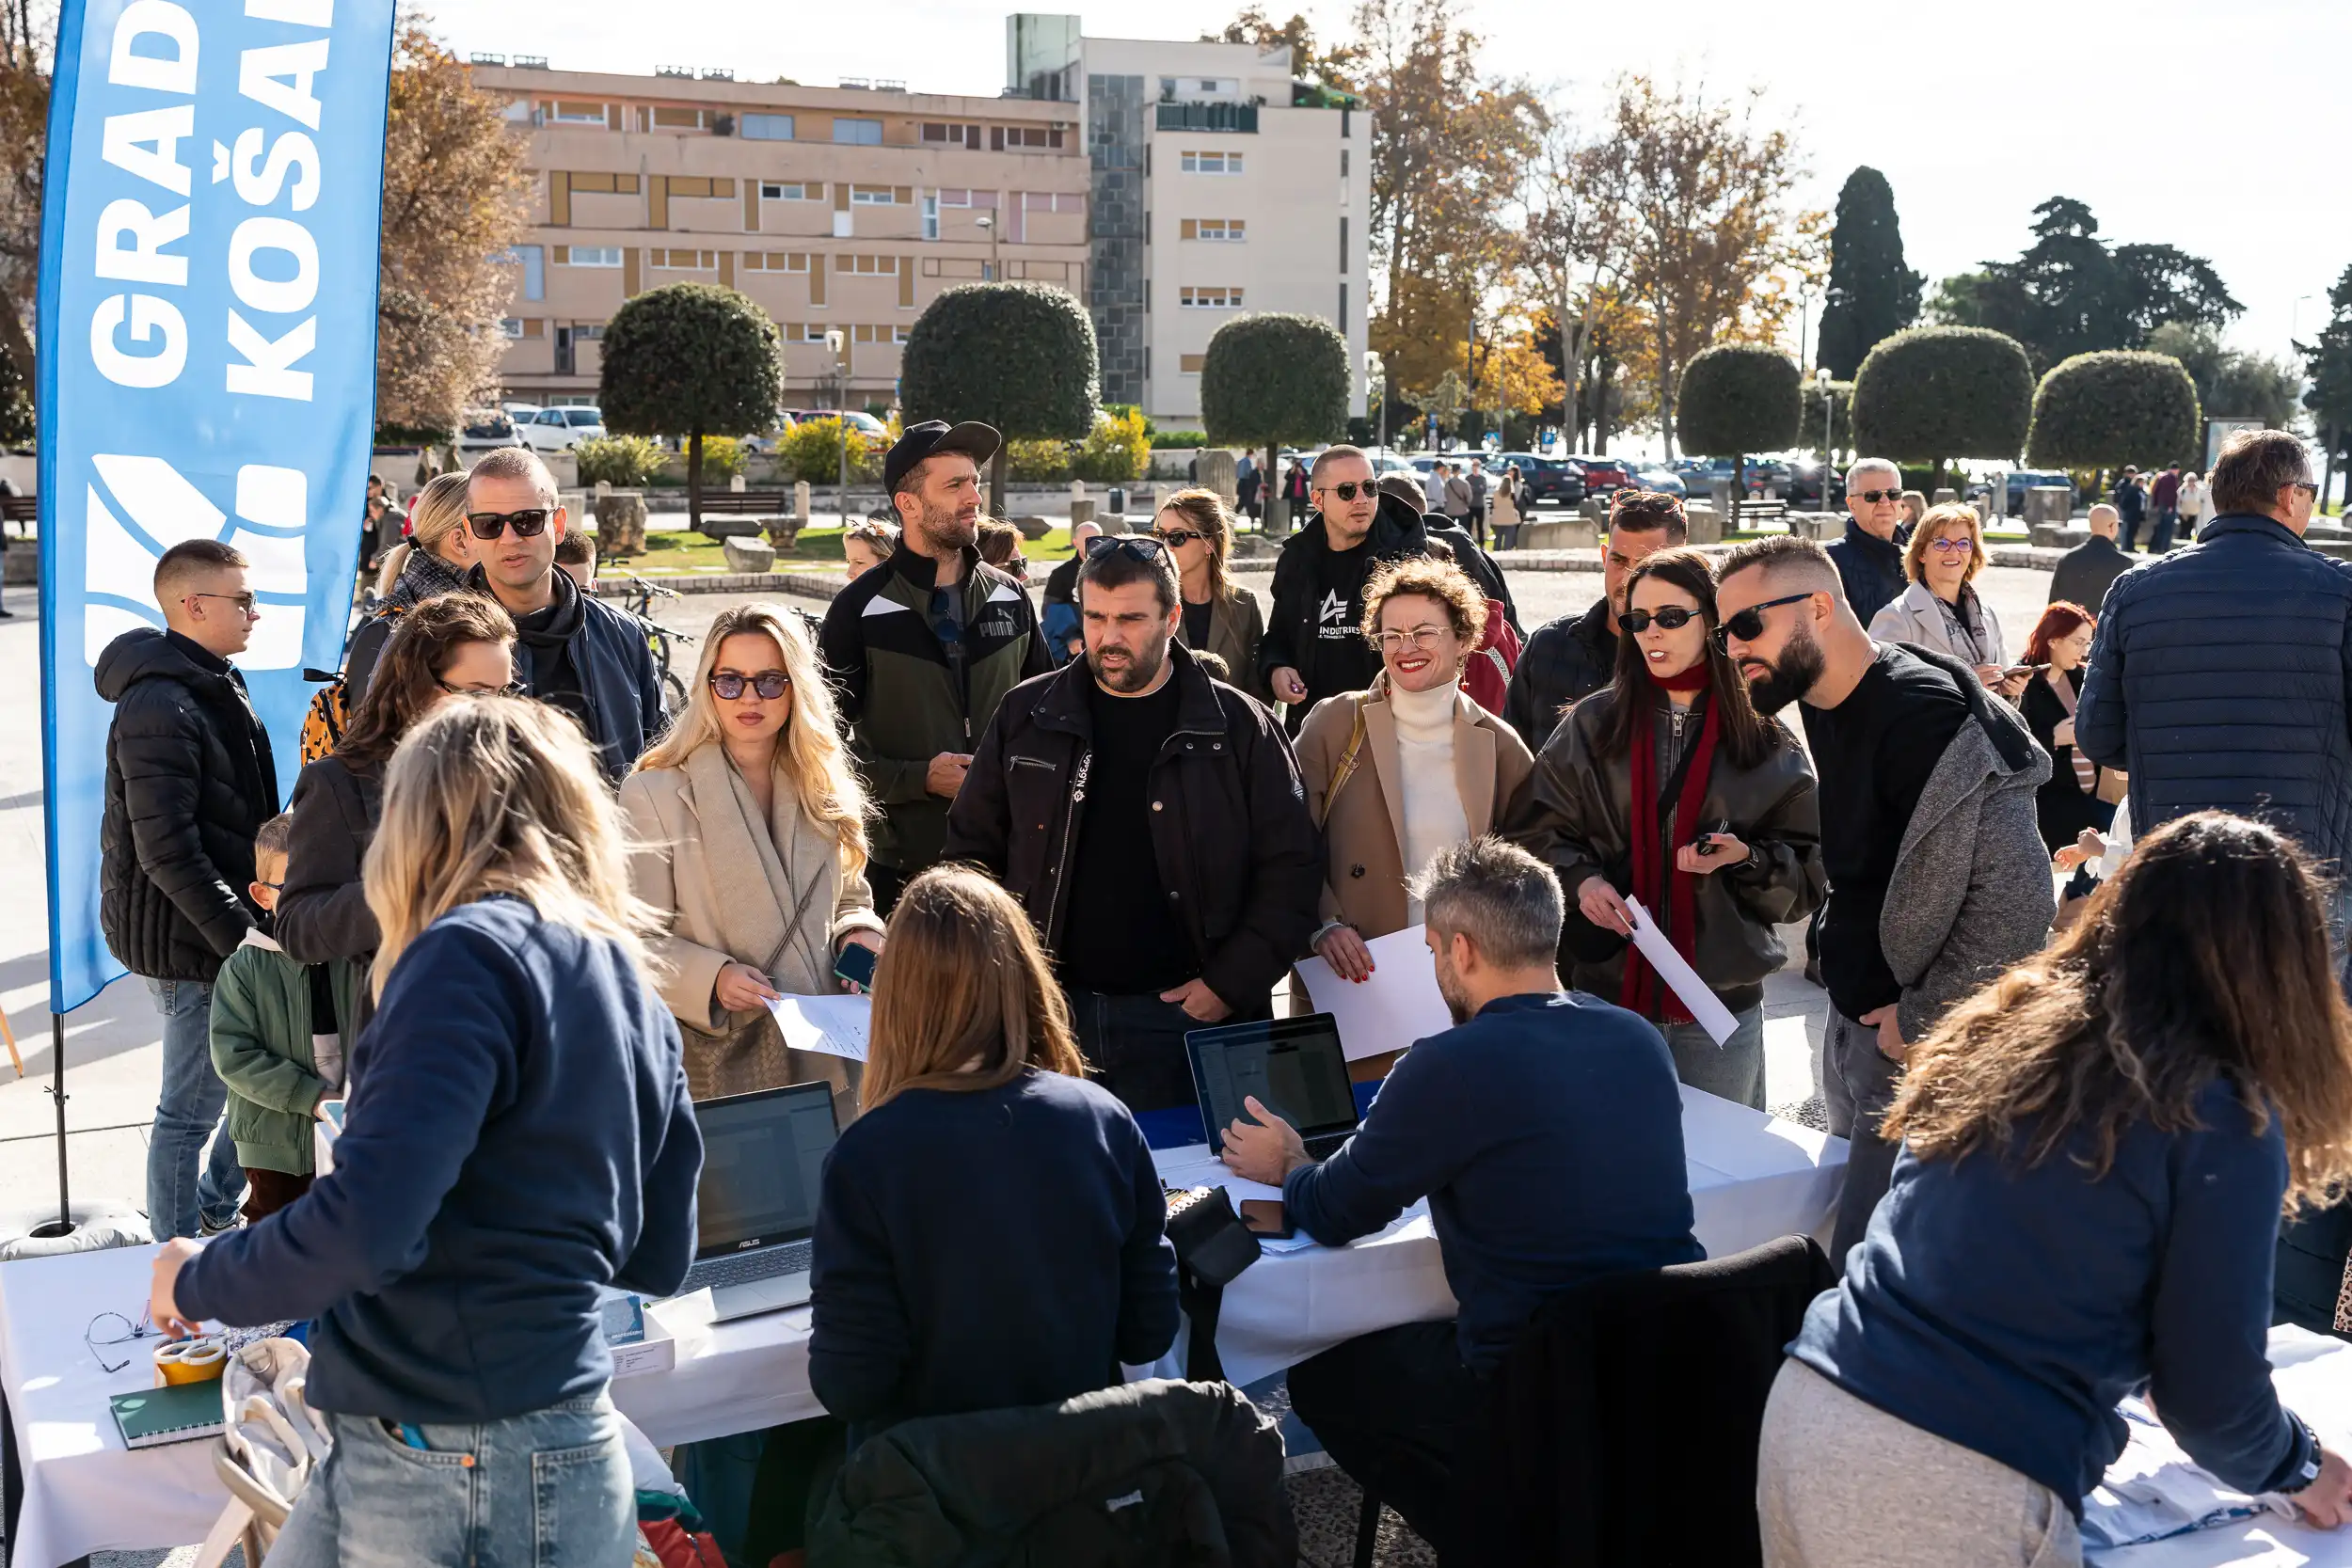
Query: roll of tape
190	1360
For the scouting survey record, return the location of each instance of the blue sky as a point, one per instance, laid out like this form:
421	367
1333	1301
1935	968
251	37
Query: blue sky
2190	122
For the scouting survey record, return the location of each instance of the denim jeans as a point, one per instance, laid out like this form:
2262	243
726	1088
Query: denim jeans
1858	1085
1733	1070
549	1489
183	1184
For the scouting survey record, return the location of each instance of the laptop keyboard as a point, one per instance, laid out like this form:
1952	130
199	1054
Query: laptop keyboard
743	1267
1327	1144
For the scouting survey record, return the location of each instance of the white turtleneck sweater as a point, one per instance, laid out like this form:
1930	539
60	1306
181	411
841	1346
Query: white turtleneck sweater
1434	818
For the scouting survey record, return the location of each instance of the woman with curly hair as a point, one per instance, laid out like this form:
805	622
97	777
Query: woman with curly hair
2097	1150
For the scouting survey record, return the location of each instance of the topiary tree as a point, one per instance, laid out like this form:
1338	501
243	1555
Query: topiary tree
1935	393
692	357
2103	410
1020	357
1736	399
1271	379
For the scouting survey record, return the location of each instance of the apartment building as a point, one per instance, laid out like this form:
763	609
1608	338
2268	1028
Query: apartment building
848	207
1219	187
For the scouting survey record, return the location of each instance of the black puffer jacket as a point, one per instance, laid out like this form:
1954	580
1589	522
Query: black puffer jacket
1565	661
1237	849
1131	1477
1870	569
190	782
1317	625
323	911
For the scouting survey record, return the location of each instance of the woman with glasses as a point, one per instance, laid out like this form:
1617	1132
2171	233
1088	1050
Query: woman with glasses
1669	788
1940	609
748	826
1220	617
1407	767
451	646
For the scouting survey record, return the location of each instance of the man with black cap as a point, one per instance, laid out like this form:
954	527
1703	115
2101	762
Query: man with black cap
1314	643
923	651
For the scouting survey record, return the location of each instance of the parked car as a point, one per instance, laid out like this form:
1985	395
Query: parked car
1548	478
860	421
561	429
1664	480
773	439
1604	474
484	428
2023	480
1804	488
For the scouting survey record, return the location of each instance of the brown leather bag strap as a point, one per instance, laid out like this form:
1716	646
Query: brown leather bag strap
1350	759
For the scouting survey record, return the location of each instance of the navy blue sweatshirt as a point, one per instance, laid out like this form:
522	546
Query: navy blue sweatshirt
2006	1309
1547	1134
518	1134
986	1250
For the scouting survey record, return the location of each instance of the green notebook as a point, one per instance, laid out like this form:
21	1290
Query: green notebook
178	1413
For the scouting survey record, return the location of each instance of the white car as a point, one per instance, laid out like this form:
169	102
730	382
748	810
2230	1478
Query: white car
560	429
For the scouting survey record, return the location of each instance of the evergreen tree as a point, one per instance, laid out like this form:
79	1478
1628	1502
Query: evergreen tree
1872	293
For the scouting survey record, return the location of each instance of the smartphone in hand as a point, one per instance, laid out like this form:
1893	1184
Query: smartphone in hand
856	965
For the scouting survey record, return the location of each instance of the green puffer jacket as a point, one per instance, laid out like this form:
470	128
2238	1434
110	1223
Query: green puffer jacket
907	701
261	1029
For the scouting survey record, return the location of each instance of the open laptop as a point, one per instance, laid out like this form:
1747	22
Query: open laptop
755	1209
1294	1066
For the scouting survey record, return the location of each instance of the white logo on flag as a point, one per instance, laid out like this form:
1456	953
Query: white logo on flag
151	501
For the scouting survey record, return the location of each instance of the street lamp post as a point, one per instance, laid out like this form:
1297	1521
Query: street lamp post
988	222
839	342
1829	432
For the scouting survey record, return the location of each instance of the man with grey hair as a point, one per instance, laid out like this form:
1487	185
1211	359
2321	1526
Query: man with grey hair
1869	564
1546	1132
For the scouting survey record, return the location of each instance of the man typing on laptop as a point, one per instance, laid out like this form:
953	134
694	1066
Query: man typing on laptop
1545	1131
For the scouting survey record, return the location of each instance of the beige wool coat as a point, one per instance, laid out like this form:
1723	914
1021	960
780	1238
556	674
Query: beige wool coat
728	885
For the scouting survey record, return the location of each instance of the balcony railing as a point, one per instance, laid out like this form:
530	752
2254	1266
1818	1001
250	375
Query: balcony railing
1209	116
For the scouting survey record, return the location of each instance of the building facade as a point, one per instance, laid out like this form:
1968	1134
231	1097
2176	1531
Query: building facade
842	208
1219	187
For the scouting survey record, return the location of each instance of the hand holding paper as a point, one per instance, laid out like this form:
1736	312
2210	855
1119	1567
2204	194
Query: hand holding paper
1711	1014
832	1024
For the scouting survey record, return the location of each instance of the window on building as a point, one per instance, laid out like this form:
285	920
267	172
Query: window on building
1015	138
588	256
534	263
681	120
775	261
764	127
1211	163
696	184
588	332
566	112
872	195
887	265
685	260
930	216
1343	321
1215	230
790	190
510	326
604	184
1342	160
1213	298
805	332
951	134
1189	364
856	132
1343	245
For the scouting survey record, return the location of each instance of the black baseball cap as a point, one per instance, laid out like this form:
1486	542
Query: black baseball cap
932	436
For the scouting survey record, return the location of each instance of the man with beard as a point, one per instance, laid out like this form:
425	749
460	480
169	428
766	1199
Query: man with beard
1545	1131
1153	823
1314	644
1938	877
1568	660
923	652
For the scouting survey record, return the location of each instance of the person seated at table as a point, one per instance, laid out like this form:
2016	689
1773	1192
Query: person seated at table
989	1232
1545	1131
519	1137
1400	771
1669	787
2096	1149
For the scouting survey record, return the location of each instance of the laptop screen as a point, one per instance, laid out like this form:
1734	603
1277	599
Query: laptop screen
1294	1066
763	1155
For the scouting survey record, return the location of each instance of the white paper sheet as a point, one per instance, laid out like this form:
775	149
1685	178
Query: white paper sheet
1711	1014
832	1024
1397	1006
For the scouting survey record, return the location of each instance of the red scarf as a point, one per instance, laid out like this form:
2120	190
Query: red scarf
1653	868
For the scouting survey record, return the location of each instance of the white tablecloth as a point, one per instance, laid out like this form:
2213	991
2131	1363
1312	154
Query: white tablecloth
1752	1177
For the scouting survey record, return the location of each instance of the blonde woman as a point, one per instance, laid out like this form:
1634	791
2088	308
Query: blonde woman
750	845
1941	608
438	554
1220	616
1407	767
984	1154
519	1137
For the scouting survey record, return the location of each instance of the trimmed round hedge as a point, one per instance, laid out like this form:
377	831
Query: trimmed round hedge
1736	398
1020	357
2105	410
1275	380
1937	393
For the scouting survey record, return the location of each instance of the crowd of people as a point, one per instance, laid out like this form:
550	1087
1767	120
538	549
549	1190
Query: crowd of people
520	919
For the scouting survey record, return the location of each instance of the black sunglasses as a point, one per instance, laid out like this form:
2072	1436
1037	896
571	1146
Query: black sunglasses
1174	537
1347	492
1874	497
530	522
1748	624
1673	618
770	684
1143	546
512	688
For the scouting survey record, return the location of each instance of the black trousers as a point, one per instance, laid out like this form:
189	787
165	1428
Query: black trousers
887	882
1135	1046
1393	1409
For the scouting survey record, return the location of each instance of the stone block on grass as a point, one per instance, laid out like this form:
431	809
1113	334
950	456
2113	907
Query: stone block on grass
1032	528
749	555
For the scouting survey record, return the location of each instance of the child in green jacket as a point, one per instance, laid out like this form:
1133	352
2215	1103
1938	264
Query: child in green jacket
277	1043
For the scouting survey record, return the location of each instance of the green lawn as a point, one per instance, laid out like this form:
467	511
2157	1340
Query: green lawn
685	554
